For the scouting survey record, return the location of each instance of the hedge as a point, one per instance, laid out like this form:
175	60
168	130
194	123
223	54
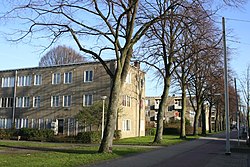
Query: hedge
89	137
35	134
150	131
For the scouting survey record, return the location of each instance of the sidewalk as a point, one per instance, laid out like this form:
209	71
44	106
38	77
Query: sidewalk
204	152
240	156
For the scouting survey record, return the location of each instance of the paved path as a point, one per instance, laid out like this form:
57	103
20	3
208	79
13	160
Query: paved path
204	152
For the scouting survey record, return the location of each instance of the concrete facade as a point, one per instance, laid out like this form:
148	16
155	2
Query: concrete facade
51	97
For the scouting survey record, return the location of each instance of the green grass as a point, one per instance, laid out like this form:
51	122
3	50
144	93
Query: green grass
41	154
148	140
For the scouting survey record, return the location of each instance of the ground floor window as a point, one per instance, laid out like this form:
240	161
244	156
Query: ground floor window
126	125
21	123
5	123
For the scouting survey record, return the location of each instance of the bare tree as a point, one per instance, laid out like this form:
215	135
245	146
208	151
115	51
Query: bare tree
214	92
165	45
159	46
111	26
60	55
201	30
245	87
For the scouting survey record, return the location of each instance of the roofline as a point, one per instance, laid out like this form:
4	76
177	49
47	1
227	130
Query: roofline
53	66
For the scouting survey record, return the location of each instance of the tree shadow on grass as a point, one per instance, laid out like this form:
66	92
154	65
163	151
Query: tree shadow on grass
45	149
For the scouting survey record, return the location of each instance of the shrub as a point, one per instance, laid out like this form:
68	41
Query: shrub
171	131
150	131
9	134
4	134
174	127
63	139
189	130
117	134
89	137
35	134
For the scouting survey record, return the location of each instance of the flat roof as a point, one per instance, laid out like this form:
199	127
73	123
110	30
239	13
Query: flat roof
60	65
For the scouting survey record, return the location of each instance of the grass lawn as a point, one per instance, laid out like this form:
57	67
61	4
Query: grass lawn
38	154
148	140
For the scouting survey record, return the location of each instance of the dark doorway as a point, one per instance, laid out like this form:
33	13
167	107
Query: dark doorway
60	126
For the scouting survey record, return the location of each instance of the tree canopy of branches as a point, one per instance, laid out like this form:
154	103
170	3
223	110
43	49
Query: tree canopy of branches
160	46
113	27
60	55
173	43
245	88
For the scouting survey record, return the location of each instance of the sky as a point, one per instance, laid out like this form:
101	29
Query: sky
21	55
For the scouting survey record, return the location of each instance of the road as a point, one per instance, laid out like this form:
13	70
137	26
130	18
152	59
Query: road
204	152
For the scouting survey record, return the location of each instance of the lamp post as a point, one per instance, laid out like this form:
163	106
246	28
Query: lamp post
103	106
226	90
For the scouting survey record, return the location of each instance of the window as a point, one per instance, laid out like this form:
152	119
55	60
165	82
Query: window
128	78
56	78
68	77
157	103
22	102
88	76
38	80
87	100
66	101
26	101
24	80
147	102
177	102
8	82
6	102
126	100
36	101
19	102
142	83
55	101
126	125
5	123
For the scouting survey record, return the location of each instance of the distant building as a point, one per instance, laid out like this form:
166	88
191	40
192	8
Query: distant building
172	109
50	97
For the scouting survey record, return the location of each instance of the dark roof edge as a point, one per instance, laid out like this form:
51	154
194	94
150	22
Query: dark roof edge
61	65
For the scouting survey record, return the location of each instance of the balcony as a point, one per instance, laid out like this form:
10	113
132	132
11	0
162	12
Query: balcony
177	107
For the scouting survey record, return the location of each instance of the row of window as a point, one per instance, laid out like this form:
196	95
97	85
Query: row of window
56	79
24	102
44	123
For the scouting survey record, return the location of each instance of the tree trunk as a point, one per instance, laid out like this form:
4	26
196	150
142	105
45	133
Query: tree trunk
196	120
209	119
107	141
203	115
160	115
223	121
183	113
216	127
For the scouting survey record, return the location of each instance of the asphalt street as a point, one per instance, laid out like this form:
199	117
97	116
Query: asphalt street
204	152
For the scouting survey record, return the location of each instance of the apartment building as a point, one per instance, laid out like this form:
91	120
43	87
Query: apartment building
172	109
51	97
